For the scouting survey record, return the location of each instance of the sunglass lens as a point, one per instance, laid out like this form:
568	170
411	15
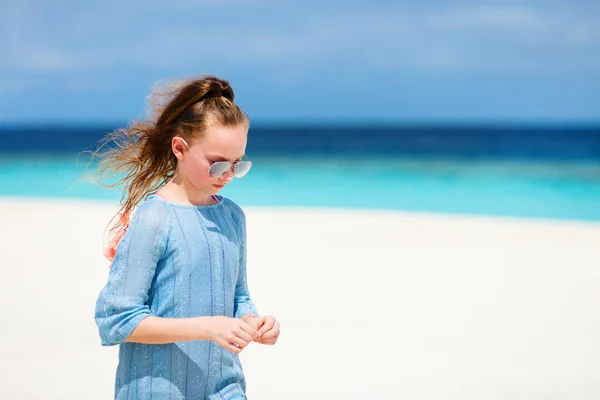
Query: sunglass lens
242	168
219	168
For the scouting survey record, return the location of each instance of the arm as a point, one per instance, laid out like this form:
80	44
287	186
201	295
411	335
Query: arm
242	301
157	330
122	303
267	327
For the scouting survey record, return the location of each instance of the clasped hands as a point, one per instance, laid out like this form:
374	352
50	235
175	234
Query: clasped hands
235	334
267	328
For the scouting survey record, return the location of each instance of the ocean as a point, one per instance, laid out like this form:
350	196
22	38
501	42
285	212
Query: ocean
518	171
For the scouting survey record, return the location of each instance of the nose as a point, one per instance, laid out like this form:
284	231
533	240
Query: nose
227	176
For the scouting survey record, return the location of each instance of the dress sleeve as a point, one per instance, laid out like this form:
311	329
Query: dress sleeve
243	302
122	303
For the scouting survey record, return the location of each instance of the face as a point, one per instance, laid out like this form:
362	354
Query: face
219	143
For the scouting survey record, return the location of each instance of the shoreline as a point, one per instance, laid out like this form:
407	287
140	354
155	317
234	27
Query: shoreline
411	214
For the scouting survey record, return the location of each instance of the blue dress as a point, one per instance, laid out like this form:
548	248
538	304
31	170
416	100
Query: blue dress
176	261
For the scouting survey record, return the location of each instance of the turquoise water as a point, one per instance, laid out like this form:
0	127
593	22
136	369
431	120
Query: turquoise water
523	189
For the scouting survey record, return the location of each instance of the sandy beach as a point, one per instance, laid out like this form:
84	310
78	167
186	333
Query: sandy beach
372	304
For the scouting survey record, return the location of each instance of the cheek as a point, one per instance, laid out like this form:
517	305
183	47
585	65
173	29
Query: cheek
196	174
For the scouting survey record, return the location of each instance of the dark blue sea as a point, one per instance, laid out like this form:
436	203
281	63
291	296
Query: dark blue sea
514	142
508	170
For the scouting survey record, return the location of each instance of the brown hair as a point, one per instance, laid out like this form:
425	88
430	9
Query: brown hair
143	150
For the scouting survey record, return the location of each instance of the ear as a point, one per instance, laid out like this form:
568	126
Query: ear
178	147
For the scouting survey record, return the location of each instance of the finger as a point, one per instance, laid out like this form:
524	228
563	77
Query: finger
233	348
274	332
244	336
238	341
260	322
268	325
268	341
271	334
248	329
236	348
253	322
262	333
229	346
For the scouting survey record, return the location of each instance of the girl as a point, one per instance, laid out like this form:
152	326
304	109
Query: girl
177	300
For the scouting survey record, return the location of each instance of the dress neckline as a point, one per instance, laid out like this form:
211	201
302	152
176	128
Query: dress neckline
218	200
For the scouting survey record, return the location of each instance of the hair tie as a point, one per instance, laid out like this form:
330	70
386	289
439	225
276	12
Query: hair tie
111	250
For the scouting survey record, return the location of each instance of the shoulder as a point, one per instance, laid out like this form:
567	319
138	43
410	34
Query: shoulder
235	211
232	205
148	228
151	212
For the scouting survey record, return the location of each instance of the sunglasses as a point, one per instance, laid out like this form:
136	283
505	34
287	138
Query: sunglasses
219	168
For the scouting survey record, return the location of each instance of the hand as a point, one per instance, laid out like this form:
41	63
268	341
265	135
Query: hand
268	331
251	320
232	334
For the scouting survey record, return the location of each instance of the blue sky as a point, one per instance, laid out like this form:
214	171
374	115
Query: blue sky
92	61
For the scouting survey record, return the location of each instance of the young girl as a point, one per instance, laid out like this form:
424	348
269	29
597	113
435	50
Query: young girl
177	299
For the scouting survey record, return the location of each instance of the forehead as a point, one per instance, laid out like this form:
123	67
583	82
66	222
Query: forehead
228	142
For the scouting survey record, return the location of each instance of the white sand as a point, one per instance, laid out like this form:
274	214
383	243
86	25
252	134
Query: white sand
373	305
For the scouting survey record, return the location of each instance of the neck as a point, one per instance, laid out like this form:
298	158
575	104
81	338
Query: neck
179	190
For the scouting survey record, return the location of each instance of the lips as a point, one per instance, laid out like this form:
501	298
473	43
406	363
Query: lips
219	186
